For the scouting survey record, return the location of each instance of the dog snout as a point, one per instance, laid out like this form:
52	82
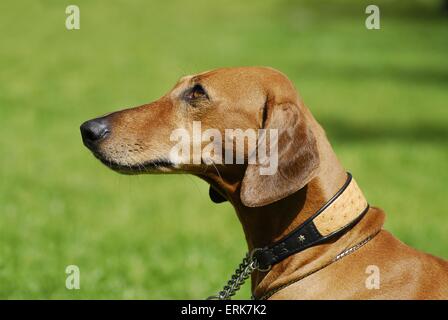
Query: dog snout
94	131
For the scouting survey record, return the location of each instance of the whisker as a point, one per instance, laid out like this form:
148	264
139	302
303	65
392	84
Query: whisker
214	166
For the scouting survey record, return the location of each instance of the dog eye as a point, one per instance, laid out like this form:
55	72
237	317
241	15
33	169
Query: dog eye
197	92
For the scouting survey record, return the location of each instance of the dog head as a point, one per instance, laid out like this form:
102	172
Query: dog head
145	139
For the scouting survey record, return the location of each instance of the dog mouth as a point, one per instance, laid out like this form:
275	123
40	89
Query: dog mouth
151	166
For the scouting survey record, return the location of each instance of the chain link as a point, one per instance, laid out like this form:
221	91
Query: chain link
244	270
355	247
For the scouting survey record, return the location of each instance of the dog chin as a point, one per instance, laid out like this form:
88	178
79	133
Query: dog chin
151	166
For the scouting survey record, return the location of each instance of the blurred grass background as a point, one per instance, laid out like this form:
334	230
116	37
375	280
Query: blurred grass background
381	95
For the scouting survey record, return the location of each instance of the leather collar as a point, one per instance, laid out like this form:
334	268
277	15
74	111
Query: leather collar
333	219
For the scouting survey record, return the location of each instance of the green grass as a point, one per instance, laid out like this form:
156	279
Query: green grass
381	95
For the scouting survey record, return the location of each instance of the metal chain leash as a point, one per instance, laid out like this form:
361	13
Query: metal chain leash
356	247
250	264
244	270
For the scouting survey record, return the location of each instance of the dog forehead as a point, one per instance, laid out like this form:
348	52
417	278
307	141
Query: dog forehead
230	82
192	77
239	82
242	76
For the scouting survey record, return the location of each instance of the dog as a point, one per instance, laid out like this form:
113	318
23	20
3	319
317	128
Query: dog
362	260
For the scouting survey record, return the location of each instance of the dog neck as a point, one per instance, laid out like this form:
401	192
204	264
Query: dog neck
265	225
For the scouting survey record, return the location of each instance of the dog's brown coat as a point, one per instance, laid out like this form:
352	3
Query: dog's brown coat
269	207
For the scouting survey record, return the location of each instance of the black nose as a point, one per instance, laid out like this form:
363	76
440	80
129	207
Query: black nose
93	131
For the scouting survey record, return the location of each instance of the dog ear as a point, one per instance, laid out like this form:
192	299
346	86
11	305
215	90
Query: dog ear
298	157
215	196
